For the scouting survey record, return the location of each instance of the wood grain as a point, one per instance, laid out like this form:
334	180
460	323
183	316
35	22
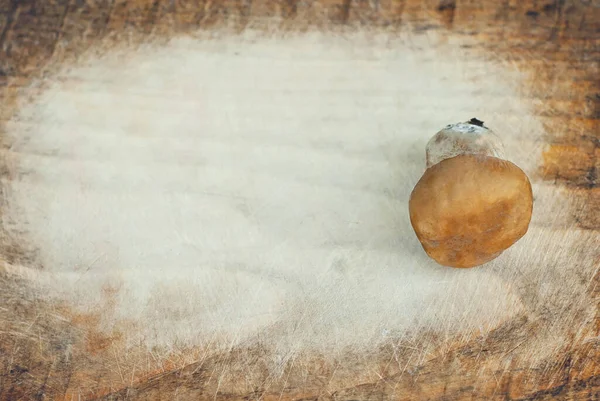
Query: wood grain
45	348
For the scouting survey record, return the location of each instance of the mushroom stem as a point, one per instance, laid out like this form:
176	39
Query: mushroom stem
466	138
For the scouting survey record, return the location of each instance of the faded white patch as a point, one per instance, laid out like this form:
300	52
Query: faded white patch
237	190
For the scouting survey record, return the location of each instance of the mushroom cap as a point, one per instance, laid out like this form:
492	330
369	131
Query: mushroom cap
469	208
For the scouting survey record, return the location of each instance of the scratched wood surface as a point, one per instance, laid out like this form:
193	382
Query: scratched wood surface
557	39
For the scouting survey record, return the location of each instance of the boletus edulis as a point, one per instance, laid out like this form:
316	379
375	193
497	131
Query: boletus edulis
470	204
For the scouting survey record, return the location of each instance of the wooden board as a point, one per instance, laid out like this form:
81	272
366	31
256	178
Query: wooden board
50	351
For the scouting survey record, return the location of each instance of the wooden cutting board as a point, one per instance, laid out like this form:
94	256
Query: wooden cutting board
524	329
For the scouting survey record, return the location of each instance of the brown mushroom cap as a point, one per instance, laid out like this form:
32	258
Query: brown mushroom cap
467	209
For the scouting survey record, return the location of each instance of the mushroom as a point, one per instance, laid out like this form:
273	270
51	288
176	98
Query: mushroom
470	204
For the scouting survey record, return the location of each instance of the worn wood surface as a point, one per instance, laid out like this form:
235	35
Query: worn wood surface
559	40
